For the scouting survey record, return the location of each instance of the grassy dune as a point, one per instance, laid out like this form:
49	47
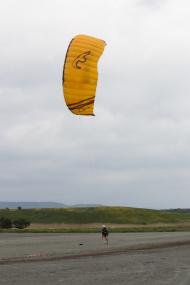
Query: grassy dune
111	215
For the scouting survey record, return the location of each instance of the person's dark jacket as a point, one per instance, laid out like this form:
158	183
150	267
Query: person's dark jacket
104	232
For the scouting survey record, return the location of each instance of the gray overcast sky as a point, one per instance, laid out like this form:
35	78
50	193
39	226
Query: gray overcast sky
135	151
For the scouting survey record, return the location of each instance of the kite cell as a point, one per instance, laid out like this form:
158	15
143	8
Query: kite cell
80	73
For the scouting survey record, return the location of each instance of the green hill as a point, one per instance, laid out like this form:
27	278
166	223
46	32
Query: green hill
118	215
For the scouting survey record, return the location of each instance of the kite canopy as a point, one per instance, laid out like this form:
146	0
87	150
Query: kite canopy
80	73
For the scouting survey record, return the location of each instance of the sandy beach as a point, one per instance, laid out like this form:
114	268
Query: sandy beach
135	258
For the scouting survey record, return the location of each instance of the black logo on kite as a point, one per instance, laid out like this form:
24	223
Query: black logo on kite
81	59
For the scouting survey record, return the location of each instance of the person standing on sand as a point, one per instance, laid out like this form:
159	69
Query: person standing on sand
105	234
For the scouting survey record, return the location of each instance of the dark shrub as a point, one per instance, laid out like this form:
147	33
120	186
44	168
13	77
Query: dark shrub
5	223
21	223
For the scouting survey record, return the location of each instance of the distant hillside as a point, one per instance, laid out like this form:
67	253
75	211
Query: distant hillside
30	205
119	215
179	210
42	205
86	205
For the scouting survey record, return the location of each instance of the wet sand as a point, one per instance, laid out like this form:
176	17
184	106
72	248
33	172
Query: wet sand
143	258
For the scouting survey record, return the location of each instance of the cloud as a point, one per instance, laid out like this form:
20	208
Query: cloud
152	3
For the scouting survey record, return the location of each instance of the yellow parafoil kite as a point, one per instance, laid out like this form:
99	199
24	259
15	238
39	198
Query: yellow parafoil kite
80	73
